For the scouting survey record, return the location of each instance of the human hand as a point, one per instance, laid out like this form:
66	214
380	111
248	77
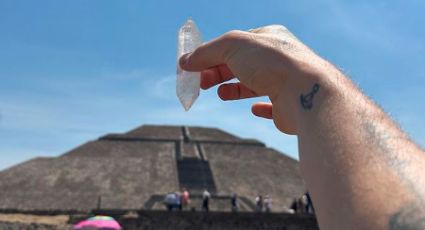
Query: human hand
268	61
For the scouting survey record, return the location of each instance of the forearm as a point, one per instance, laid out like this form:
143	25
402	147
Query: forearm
359	166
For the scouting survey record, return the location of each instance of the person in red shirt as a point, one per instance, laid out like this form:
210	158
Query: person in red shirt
185	198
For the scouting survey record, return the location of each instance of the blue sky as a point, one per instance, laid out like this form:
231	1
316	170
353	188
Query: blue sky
71	71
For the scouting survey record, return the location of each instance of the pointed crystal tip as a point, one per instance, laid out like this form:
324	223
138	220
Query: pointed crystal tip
188	83
186	105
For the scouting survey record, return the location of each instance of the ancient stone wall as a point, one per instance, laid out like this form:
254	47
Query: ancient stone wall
219	221
163	220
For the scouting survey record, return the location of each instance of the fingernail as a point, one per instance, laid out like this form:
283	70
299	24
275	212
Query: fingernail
184	59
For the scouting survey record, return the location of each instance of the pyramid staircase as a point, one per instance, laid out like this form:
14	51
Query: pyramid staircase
194	172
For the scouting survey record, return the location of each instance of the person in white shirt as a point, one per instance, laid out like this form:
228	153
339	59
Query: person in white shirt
206	200
268	203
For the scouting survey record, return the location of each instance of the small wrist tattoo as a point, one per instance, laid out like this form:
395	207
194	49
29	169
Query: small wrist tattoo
307	100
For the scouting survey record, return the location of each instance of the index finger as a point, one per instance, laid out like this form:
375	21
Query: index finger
213	53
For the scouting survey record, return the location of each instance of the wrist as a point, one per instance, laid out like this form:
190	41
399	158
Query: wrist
311	91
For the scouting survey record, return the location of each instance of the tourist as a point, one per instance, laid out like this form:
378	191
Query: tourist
172	201
294	206
185	198
300	205
268	203
309	208
234	203
206	200
259	203
167	201
350	150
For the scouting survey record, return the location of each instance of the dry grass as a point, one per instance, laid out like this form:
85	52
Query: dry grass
24	218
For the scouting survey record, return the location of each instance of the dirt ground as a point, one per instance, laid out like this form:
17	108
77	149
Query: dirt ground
24	218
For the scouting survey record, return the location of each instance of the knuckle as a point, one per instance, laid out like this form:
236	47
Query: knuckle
269	29
233	41
277	27
233	35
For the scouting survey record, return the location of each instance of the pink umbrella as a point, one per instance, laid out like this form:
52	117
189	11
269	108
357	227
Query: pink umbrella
98	222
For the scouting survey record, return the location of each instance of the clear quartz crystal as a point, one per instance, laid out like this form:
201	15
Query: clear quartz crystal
188	83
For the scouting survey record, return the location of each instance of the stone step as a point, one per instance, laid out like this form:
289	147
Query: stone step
195	174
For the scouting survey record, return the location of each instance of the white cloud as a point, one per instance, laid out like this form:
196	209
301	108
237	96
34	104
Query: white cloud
80	113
